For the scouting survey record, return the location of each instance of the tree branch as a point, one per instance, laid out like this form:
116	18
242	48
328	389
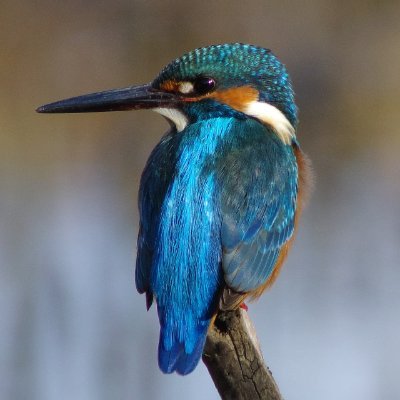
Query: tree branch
233	358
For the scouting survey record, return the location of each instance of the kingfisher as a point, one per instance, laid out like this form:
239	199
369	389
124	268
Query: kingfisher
221	193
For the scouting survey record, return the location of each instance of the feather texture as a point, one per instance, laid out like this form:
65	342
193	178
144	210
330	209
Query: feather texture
258	203
217	202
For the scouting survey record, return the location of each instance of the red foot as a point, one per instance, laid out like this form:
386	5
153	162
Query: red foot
244	306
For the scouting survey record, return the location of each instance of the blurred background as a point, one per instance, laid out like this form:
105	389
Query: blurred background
72	325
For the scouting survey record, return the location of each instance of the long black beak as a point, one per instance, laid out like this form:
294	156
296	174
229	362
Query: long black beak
131	98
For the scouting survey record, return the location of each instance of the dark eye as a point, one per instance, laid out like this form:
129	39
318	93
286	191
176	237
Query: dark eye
203	85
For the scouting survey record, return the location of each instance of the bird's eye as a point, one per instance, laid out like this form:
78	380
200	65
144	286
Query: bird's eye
203	85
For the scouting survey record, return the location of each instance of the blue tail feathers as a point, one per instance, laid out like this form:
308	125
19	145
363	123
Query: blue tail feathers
176	359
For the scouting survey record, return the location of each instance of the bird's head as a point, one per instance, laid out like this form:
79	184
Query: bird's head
237	79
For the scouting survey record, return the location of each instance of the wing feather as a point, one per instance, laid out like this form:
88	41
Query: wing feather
258	201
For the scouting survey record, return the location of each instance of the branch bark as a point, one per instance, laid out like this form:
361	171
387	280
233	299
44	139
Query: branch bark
233	358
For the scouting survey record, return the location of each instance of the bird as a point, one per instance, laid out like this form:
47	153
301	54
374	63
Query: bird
221	193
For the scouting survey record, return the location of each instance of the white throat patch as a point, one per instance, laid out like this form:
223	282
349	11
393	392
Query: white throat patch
175	116
272	116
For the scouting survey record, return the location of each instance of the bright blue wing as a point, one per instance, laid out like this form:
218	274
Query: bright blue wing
258	200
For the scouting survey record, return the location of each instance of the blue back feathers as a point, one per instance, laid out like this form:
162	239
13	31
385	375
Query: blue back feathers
212	209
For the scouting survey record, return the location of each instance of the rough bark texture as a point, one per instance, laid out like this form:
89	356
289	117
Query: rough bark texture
234	360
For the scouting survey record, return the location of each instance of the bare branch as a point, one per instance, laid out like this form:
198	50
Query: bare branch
234	360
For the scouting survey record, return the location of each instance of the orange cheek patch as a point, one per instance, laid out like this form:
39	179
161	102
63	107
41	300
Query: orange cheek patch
170	86
237	98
